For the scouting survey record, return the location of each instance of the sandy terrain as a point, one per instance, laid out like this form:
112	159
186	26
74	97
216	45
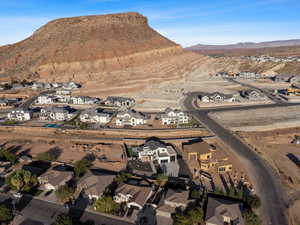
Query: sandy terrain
260	119
275	146
71	151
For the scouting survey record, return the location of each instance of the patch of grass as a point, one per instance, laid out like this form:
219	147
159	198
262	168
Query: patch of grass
9	123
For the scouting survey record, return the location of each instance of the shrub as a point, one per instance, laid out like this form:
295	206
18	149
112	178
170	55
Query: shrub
5	213
64	193
22	180
251	218
63	219
7	155
191	217
107	205
81	166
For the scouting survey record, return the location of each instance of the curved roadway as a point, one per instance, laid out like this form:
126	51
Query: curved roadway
274	204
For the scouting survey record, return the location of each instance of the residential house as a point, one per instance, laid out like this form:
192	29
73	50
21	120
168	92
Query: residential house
222	211
174	117
46	99
3	102
56	85
47	86
215	97
94	183
157	152
70	86
131	118
173	200
140	168
37	86
287	78
253	95
134	196
296	140
83	100
94	116
52	179
248	75
19	114
63	92
52	113
17	86
203	157
119	101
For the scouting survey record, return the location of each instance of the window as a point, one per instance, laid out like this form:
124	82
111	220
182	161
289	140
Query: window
164	161
222	169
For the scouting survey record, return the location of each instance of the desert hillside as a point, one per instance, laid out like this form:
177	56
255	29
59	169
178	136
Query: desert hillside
85	48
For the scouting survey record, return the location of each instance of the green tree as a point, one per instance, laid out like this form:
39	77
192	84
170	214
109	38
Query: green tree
251	218
63	219
81	166
5	213
64	193
181	219
22	180
196	215
161	180
107	205
196	194
7	155
123	177
253	201
190	217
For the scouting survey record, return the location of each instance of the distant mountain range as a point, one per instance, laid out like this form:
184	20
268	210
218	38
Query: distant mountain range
246	45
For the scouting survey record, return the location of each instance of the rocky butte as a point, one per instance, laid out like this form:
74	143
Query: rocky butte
103	52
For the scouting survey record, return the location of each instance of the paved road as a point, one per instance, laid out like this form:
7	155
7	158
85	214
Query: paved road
266	183
46	212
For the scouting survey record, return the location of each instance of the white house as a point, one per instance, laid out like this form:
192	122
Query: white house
19	114
131	117
70	85
37	86
216	97
93	116
56	114
63	92
174	117
81	100
119	101
158	152
46	99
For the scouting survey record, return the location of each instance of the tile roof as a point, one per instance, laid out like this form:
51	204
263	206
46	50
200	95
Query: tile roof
139	193
219	207
95	182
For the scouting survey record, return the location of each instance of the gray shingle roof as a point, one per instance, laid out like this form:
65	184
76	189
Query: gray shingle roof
219	207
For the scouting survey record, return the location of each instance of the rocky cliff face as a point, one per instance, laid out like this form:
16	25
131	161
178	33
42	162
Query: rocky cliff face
85	48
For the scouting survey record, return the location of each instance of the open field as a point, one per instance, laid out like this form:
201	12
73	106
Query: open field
275	147
259	119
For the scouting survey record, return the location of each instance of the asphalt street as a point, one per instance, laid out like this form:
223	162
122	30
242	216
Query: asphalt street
266	182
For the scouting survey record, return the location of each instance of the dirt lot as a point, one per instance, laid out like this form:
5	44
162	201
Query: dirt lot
275	146
111	156
259	119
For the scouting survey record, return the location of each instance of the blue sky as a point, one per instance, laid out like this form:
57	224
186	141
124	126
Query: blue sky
187	22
